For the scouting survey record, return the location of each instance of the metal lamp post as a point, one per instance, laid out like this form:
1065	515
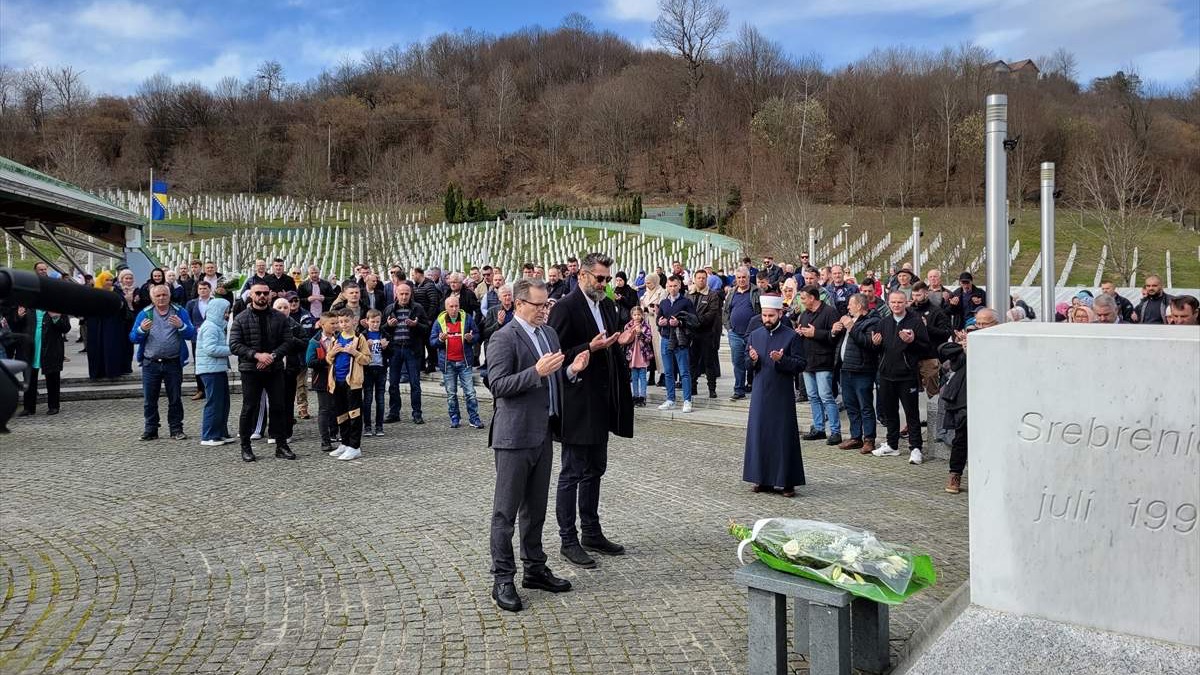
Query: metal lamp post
1048	241
995	190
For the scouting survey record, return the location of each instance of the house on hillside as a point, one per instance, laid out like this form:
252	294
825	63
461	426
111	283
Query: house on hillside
1025	70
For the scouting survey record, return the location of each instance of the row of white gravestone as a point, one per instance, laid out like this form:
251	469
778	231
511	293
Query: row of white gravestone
253	209
454	247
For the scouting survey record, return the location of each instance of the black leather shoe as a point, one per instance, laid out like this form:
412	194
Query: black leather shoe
418	420
506	598
150	436
577	556
247	455
603	545
52	411
284	452
813	436
546	581
737	397
391	419
24	413
834	439
327	448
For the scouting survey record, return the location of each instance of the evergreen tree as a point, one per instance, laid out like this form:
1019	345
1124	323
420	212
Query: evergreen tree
689	216
449	204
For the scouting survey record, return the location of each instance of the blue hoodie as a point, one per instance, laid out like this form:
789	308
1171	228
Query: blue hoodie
212	347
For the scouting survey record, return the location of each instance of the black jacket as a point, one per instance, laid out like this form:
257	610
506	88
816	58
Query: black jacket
414	312
936	322
602	403
820	351
324	289
1153	308
54	334
709	306
247	338
467	302
858	355
427	295
898	359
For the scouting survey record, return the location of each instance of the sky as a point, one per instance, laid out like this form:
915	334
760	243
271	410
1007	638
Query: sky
120	43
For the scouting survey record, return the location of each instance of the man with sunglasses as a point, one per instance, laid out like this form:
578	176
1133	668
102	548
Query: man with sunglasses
599	404
261	338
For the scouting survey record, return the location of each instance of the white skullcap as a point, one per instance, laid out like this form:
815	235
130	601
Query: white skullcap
771	302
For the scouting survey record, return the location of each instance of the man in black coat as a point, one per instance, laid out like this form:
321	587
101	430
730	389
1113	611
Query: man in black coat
585	319
427	295
815	326
901	340
938	324
261	338
316	294
706	339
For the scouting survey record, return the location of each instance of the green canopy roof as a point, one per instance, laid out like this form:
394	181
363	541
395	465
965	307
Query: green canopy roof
26	194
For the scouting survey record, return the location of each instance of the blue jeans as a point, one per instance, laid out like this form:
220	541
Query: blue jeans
857	391
154	376
677	361
374	382
214	425
457	374
637	376
405	361
737	348
819	386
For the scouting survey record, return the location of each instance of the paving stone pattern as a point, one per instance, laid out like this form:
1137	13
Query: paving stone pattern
121	556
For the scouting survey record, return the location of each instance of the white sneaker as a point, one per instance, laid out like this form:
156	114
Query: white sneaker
270	441
228	440
255	437
351	453
885	450
915	457
212	443
338	453
687	407
666	405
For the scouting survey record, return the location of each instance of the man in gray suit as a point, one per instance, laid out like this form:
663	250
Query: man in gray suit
526	379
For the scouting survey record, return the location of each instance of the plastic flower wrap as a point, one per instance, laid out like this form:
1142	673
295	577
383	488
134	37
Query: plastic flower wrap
851	559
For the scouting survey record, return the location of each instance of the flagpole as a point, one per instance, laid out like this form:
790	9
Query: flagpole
150	216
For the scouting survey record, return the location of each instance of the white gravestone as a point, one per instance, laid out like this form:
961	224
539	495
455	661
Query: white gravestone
1085	475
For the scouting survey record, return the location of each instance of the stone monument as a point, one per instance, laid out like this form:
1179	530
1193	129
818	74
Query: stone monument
1085	476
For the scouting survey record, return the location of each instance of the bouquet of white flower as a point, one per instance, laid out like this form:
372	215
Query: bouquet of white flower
851	559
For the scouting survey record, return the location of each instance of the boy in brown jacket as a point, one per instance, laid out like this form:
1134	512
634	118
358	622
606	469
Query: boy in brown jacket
346	357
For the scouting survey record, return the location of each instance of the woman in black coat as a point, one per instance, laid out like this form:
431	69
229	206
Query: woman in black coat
45	351
108	338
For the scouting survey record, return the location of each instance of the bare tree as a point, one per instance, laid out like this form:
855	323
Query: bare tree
76	160
1121	200
271	78
1060	63
306	177
503	90
69	91
194	172
35	96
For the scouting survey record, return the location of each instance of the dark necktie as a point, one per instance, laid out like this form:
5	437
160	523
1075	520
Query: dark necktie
550	378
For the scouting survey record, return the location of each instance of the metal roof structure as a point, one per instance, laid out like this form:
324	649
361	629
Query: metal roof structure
28	195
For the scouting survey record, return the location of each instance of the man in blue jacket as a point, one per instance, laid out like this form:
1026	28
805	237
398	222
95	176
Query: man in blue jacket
161	333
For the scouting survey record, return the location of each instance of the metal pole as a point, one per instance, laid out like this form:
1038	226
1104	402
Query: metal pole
995	190
150	215
1048	242
916	264
812	246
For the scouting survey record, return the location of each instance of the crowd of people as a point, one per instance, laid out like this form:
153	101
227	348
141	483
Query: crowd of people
567	352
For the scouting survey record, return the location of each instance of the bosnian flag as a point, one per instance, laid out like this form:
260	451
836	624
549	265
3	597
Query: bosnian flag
158	204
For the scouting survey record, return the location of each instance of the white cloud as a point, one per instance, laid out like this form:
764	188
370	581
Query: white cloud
227	63
632	10
122	19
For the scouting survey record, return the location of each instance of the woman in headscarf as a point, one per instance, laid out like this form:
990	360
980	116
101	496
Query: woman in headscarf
655	294
1081	314
1060	312
133	301
106	339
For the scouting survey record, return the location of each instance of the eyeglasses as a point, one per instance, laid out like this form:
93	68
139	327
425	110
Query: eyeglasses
601	278
539	305
260	292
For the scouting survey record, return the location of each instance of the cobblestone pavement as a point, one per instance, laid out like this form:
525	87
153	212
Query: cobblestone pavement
122	556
